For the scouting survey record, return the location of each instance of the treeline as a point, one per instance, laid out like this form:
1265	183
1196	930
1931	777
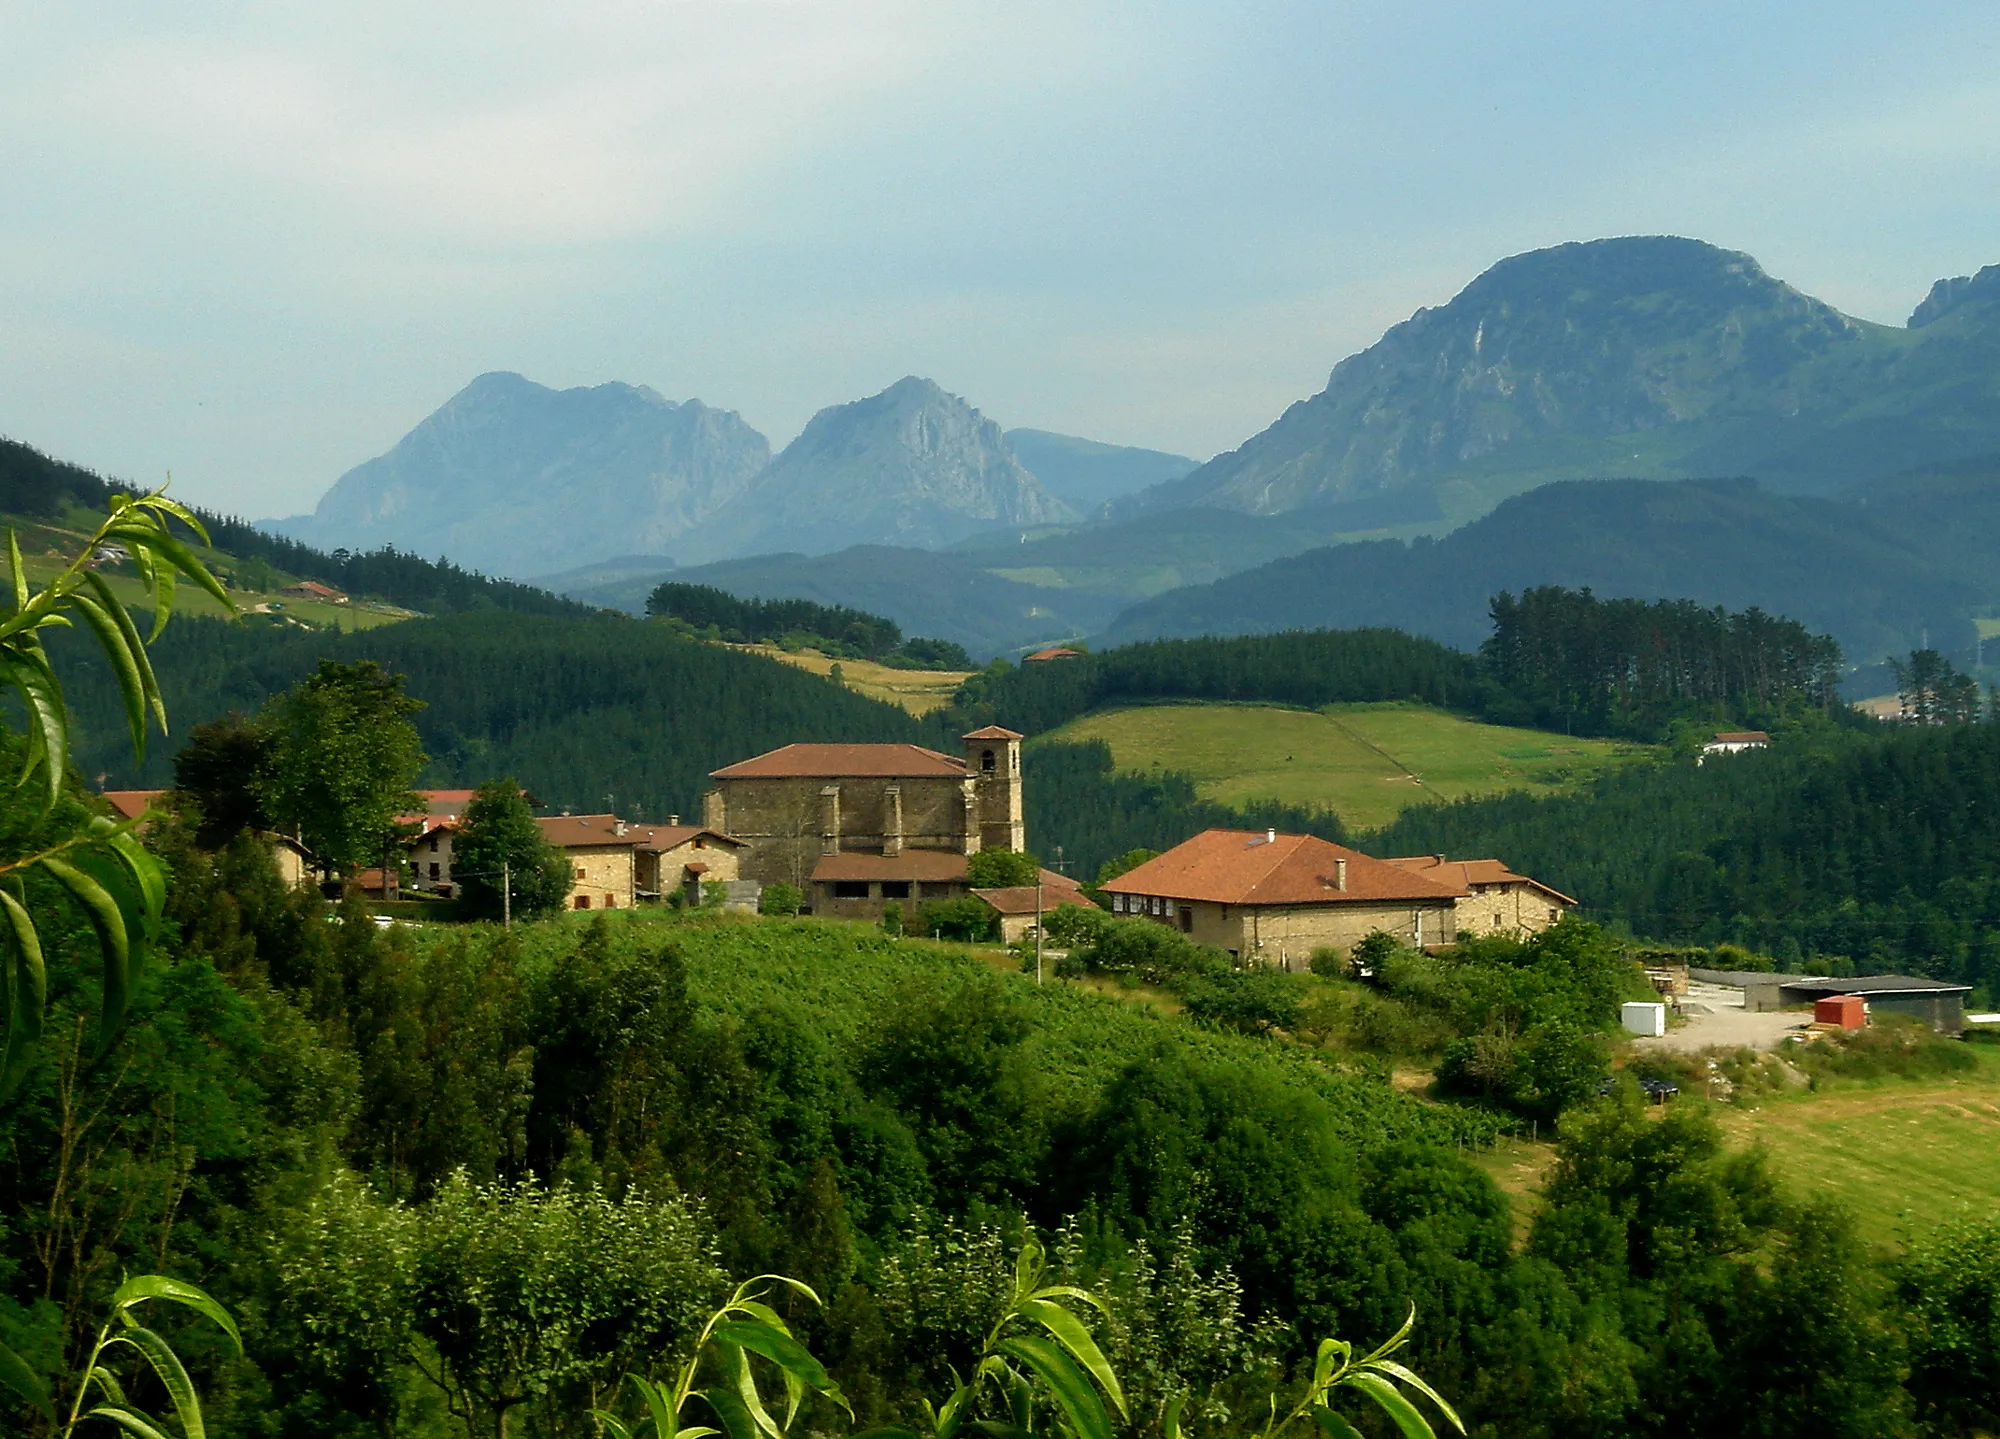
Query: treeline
1622	666
831	629
591	713
32	484
1313	667
1836	851
1560	659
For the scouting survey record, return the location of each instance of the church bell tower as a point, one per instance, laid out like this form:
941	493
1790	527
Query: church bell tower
993	763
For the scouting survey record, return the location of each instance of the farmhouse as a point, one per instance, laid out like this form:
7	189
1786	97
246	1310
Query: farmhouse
1017	905
615	865
1736	742
294	861
857	825
1274	898
313	590
1496	900
1054	652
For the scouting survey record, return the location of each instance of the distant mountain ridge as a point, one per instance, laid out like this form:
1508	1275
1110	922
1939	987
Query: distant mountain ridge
1086	474
518	479
913	465
1648	357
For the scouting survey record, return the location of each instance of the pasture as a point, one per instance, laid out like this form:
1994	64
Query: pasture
1366	762
918	691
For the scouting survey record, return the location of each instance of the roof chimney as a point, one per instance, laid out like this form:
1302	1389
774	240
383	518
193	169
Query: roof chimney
618	828
1439	858
673	821
1270	836
1340	874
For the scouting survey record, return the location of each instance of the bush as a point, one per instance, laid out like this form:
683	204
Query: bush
892	918
1329	963
968	920
1002	869
780	899
713	893
1892	1045
1249	1001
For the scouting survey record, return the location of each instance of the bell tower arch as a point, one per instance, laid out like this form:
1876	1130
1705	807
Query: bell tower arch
993	763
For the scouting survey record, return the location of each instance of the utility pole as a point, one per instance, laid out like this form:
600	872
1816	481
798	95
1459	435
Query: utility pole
1038	924
506	894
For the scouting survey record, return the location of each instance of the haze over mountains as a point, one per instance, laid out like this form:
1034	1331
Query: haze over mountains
1649	358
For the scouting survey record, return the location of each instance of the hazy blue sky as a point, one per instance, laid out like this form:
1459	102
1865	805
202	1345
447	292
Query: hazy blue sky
253	243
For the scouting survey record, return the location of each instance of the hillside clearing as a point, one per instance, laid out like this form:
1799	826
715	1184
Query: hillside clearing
1898	1153
1366	762
918	691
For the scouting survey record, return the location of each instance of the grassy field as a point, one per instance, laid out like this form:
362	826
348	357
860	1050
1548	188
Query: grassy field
1366	762
918	691
1898	1153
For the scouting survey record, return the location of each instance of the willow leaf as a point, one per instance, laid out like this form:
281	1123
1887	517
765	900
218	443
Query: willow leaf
17	1376
149	682
130	1420
172	1374
141	1287
1069	1332
27	995
109	921
1064	1381
1389	1399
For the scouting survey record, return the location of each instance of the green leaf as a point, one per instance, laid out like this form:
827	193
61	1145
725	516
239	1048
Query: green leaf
1391	1367
659	1405
994	1429
111	639
148	682
175	1291
735	1364
798	1286
764	1312
947	1421
1389	1399
152	536
729	1409
147	874
172	1374
15	1373
27	996
18	571
1170	1421
1332	1425
109	921
888	1431
1028	1265
130	1420
612	1424
27	670
1064	1381
781	1349
1398	1339
1069	1332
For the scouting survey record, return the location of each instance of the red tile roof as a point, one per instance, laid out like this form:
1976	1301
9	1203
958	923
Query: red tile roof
1054	652
1229	866
1056	890
1741	736
576	831
994	731
934	865
1468	872
132	802
840	761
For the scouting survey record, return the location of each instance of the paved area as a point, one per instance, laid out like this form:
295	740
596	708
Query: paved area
1715	1018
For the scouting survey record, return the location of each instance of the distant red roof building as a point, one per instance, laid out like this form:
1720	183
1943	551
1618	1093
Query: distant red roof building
842	761
1494	898
131	803
314	590
1054	652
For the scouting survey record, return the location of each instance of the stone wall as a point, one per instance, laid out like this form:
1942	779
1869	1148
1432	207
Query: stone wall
1504	908
1286	935
786	822
601	876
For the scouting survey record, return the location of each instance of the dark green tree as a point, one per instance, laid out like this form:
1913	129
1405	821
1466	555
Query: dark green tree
499	840
1002	869
343	757
217	768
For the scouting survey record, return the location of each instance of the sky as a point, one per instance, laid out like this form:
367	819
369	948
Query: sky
251	245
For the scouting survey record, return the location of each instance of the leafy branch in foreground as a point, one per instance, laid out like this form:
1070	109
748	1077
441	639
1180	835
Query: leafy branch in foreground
741	1328
119	887
1377	1376
122	1329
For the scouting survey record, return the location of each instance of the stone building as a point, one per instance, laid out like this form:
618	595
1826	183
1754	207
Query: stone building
1496	900
853	826
1271	898
616	865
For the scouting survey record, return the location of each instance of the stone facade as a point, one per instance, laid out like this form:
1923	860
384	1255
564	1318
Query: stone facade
1496	900
1285	936
795	806
602	876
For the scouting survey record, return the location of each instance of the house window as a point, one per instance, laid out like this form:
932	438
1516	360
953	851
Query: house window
895	889
583	901
434	871
434	844
850	889
986	760
935	889
1554	916
579	871
611	901
1187	920
700	843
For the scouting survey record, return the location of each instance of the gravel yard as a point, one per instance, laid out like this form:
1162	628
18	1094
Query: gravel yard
1715	1019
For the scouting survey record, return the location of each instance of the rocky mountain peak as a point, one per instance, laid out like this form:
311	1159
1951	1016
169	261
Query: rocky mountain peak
1949	295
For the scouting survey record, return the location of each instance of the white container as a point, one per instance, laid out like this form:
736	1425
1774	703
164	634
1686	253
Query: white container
1644	1018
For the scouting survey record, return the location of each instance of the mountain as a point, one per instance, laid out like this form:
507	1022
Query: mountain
1872	575
910	466
1647	357
514	478
1085	474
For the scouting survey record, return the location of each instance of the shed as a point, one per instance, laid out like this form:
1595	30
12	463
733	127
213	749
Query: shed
1847	1011
1643	1018
1940	1005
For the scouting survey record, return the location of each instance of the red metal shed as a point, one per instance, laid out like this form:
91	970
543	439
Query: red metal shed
1849	1011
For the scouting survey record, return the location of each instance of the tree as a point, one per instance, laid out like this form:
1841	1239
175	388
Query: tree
343	757
1950	1289
780	899
1002	869
499	832
218	768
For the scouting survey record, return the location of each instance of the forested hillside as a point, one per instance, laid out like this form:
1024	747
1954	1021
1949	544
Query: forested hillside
1854	572
1833	848
33	484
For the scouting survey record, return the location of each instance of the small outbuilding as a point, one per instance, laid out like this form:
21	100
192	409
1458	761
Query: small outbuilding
1940	1005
